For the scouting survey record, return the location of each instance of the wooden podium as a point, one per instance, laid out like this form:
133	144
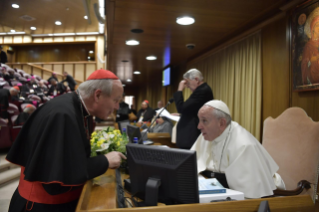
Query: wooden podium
103	197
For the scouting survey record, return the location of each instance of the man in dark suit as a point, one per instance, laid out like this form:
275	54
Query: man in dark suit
187	131
70	80
3	56
146	113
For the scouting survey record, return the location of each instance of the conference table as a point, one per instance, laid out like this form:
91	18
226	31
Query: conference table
102	194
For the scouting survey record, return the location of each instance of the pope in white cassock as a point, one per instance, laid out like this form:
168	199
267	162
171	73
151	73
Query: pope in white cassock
225	147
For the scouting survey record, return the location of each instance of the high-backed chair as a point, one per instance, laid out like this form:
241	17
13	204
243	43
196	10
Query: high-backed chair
292	139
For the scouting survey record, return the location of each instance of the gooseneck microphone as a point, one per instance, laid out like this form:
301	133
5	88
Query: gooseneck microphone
168	103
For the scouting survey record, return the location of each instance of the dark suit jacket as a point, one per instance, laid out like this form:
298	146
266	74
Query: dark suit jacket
3	57
187	131
70	81
148	115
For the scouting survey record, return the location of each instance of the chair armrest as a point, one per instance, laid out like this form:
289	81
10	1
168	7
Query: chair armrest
303	184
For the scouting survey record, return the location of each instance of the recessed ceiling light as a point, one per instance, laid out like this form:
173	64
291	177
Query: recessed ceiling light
91	52
151	58
87	33
12	30
85	17
137	30
132	42
128	80
63	34
89	58
58	23
185	20
123	85
33	28
137	72
15	33
15	6
50	34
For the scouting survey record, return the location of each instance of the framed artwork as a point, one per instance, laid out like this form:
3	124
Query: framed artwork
305	47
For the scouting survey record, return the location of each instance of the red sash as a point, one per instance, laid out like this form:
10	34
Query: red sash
34	192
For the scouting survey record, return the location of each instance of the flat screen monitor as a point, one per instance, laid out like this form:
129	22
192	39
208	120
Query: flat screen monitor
134	131
167	76
162	174
123	124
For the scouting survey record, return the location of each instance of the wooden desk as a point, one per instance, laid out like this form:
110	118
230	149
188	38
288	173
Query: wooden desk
103	198
161	139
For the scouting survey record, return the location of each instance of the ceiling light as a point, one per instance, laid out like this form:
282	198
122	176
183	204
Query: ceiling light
33	28
91	52
15	6
89	58
50	34
12	30
101	28
58	23
185	20
137	72
15	33
132	42
128	80
63	34
151	58
87	33
85	17
123	85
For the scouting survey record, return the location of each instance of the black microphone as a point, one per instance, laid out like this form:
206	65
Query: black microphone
168	103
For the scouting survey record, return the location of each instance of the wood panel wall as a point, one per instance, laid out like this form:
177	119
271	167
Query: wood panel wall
277	78
275	68
276	73
52	53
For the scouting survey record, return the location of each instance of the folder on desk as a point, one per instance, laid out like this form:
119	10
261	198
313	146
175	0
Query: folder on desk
210	186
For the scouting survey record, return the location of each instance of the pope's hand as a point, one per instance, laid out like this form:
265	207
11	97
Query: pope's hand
182	85
114	159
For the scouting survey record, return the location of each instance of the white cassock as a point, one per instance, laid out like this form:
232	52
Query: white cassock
247	165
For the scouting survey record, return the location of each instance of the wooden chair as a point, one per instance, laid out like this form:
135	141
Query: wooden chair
292	139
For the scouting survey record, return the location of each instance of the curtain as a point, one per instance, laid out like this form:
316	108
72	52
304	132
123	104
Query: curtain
234	74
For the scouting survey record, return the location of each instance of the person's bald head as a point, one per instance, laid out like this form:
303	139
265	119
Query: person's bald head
14	91
29	109
159	104
53	82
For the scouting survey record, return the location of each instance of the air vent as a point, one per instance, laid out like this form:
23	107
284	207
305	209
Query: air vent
27	18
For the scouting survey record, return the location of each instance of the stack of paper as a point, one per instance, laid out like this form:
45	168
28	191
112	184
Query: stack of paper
166	114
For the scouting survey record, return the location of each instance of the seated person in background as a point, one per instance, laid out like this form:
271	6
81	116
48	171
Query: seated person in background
123	111
159	105
146	113
5	98
6	76
163	125
133	109
41	89
53	77
233	154
56	88
70	80
22	117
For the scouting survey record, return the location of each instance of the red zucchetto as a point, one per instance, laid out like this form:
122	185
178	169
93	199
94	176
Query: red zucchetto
102	74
